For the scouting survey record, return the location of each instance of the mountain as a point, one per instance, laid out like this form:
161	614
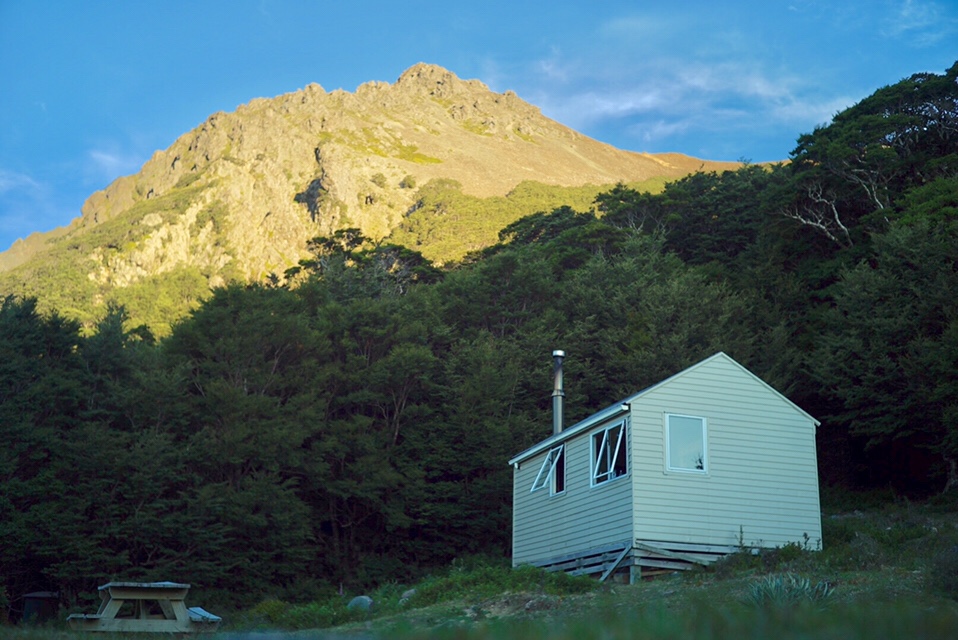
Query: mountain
238	197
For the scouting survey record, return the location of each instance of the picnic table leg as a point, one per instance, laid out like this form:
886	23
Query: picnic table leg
180	612
109	608
167	610
104	601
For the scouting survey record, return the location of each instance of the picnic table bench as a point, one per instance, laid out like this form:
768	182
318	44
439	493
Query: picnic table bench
153	607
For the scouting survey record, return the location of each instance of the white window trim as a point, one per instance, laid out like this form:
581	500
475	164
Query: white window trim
594	453
704	471
545	477
554	475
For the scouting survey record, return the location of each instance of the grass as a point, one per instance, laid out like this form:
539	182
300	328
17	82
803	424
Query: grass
483	583
885	572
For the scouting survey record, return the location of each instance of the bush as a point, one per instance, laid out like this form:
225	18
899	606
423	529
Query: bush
319	615
270	612
727	566
785	590
944	572
473	579
837	531
487	581
792	556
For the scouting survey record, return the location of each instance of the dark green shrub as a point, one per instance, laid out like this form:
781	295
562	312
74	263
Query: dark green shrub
487	581
319	615
944	502
314	615
836	531
944	572
734	563
269	612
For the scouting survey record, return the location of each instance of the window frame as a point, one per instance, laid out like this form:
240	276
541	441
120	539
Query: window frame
704	471
622	444
554	458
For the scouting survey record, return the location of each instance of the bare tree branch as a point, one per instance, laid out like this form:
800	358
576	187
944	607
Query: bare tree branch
820	213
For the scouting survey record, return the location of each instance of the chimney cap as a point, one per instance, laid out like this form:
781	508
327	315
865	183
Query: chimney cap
558	353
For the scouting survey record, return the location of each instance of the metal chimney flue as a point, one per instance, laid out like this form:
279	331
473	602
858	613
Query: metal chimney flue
557	391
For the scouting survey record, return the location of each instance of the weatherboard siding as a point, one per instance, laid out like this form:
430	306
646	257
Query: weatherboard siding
761	488
583	517
762	482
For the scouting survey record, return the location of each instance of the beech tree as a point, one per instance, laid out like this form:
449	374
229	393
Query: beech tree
889	356
849	174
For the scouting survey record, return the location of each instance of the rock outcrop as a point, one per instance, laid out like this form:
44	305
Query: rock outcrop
239	196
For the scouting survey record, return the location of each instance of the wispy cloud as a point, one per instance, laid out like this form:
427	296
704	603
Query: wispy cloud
812	110
710	94
590	106
659	77
655	130
13	180
921	22
552	68
23	201
111	164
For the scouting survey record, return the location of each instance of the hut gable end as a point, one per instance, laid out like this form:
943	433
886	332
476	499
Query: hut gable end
710	457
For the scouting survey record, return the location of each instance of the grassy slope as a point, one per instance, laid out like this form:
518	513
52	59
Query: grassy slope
878	561
882	563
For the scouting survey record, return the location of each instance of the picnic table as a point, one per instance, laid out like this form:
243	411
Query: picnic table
145	606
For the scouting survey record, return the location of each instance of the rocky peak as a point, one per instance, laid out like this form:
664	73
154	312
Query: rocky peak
437	82
240	195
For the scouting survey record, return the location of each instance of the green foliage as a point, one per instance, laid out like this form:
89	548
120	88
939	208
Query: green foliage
215	213
786	590
446	224
352	266
706	621
792	556
462	582
320	616
159	301
889	348
459	583
849	175
935	202
187	179
487	581
270	612
410	153
63	280
944	572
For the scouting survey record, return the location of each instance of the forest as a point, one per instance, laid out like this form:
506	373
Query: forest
351	423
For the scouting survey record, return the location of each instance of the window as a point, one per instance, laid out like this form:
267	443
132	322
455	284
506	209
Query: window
685	444
552	471
609	458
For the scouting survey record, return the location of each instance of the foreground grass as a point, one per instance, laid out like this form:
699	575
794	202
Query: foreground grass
886	572
707	622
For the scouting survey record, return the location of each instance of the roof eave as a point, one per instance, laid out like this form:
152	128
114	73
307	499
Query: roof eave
621	407
596	418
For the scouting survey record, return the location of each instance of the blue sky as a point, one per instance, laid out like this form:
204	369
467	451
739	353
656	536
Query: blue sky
91	89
